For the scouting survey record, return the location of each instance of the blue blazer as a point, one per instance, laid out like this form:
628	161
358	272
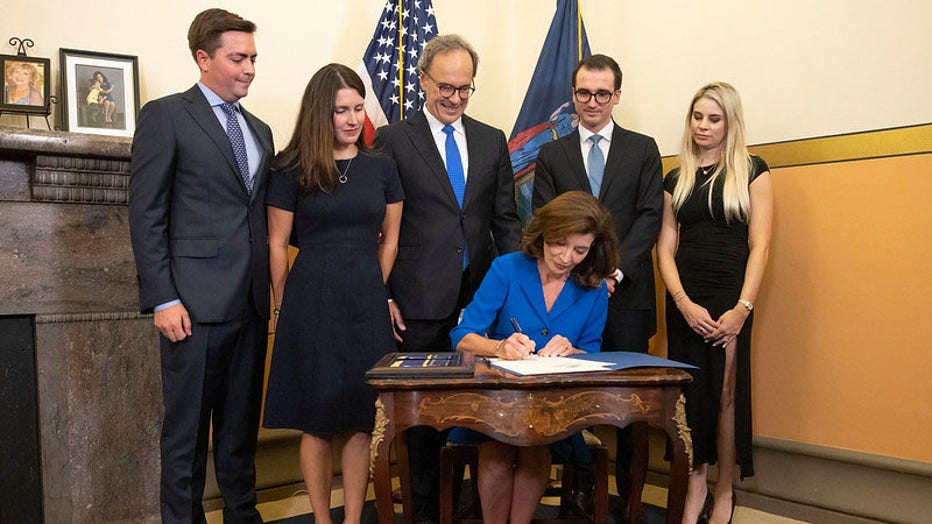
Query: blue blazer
512	288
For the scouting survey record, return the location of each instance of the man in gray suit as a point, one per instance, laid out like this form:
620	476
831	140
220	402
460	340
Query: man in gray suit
459	213
622	168
197	221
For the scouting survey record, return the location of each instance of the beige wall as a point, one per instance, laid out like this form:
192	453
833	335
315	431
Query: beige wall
840	349
804	68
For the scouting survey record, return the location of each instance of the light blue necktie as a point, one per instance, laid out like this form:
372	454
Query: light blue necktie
596	165
455	172
239	144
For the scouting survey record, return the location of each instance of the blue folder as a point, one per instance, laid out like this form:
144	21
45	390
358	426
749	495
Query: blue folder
629	359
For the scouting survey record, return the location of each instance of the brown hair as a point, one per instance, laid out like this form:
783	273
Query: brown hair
576	213
208	27
310	150
598	63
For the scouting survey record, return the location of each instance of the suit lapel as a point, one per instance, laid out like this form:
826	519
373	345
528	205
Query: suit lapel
533	289
204	117
573	152
619	136
423	143
476	150
567	298
265	150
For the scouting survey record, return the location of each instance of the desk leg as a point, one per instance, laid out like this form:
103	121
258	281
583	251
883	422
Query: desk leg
404	474
638	467
380	462
681	441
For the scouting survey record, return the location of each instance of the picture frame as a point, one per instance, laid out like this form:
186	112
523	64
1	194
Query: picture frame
100	92
25	82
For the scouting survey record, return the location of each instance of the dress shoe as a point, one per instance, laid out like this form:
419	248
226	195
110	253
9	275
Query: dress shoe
622	512
582	502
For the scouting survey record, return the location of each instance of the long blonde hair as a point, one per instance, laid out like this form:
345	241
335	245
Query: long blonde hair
735	161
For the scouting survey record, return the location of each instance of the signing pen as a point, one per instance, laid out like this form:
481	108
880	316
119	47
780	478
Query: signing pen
515	325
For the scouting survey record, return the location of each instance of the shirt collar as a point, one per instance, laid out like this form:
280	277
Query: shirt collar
213	98
605	132
436	126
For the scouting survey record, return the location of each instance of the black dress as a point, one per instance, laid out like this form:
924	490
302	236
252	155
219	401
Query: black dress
711	259
334	322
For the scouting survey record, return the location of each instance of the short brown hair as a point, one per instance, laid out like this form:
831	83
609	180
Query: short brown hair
443	44
208	27
598	63
576	213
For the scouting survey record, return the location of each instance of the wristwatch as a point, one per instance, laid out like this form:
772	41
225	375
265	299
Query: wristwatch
747	304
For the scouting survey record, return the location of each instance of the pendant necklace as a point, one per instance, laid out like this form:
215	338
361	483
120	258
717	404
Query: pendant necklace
342	178
707	169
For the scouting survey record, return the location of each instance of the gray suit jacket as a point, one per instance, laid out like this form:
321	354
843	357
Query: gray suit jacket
197	234
632	189
425	279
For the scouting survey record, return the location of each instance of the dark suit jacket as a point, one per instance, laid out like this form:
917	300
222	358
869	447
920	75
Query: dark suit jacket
425	279
632	189
197	234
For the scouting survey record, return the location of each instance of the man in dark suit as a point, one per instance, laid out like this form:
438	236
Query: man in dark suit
197	221
622	168
459	213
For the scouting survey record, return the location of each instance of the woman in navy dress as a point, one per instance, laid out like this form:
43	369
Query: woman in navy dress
556	290
712	251
342	204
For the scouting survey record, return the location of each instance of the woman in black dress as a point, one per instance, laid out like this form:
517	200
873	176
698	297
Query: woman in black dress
343	204
712	251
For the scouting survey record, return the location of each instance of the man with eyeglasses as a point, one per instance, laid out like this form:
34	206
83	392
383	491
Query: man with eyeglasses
623	170
459	212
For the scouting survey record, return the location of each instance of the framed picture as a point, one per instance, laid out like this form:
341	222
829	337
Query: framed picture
100	92
25	84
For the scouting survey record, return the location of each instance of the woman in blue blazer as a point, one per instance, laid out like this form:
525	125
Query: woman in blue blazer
551	299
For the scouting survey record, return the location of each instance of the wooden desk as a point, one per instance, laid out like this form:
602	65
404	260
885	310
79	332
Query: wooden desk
526	411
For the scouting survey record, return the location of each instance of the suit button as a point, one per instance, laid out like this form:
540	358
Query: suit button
459	250
544	332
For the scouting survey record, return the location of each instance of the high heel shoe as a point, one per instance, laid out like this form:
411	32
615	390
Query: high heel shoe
706	508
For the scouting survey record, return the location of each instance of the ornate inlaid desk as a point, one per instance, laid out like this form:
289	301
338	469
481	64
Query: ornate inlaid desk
526	411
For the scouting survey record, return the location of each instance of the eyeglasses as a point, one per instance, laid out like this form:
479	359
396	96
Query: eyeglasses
446	90
602	96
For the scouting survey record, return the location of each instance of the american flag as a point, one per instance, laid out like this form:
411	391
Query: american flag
389	65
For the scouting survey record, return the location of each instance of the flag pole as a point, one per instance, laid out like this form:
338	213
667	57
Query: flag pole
578	31
401	68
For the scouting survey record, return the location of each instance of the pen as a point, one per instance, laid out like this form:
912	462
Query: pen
517	328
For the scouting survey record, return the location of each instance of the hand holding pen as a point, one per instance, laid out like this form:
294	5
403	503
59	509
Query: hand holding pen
516	346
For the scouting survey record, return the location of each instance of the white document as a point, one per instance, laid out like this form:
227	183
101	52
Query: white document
535	365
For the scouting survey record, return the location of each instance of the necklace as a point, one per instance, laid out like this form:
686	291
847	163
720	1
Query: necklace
707	169
342	178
